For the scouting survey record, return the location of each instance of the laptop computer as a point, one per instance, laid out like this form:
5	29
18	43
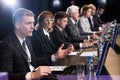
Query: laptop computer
102	58
114	36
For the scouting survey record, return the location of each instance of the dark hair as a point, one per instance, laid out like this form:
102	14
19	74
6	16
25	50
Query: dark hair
60	15
101	7
19	13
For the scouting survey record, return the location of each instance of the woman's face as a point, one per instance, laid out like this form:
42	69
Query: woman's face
48	22
88	12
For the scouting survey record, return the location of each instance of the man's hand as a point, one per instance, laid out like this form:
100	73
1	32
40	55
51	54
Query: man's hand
103	26
70	48
41	71
95	36
86	44
61	53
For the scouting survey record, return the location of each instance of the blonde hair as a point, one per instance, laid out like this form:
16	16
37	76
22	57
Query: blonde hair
92	6
84	9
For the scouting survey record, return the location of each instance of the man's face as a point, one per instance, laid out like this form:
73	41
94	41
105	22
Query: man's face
62	22
100	11
26	26
75	15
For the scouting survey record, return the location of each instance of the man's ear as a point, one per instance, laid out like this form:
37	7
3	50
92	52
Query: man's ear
17	25
58	21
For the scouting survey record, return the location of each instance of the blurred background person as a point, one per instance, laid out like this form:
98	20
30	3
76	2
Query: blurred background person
72	28
99	12
59	34
84	22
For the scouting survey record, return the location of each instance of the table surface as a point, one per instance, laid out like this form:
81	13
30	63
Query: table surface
112	63
102	77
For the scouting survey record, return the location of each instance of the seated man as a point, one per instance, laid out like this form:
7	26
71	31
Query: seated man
97	17
60	36
18	59
73	28
42	41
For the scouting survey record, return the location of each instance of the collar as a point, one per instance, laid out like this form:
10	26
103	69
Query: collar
73	21
20	39
59	28
45	32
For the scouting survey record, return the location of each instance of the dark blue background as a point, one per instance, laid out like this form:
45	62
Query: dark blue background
112	11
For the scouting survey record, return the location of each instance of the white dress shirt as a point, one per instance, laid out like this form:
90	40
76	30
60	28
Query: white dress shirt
28	75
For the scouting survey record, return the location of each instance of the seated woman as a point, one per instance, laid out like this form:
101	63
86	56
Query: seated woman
84	22
42	41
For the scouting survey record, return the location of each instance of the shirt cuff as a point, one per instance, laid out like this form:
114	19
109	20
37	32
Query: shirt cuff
88	37
53	58
80	45
100	28
28	76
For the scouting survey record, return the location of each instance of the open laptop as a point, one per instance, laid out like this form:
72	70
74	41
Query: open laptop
114	36
102	58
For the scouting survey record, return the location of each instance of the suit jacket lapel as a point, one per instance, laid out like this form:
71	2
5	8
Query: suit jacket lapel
50	42
33	58
19	47
61	33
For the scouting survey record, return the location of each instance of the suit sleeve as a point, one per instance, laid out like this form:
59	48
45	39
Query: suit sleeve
58	41
7	65
72	36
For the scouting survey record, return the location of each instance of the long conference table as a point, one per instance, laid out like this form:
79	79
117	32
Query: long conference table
112	64
102	77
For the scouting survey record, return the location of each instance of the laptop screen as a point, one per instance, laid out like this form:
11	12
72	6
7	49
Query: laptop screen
114	36
102	57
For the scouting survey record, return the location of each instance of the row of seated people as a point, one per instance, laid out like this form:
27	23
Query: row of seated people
50	43
50	34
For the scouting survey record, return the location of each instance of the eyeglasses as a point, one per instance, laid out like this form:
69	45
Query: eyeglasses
47	20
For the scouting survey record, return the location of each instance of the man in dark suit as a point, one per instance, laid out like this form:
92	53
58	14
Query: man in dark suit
97	17
60	36
18	59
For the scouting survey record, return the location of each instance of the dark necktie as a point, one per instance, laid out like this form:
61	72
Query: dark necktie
65	34
27	55
90	22
23	45
25	49
76	27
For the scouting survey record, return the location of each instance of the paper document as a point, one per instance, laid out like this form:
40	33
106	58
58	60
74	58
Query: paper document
74	53
57	68
93	53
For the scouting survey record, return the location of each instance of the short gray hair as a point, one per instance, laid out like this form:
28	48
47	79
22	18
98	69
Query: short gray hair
19	13
72	8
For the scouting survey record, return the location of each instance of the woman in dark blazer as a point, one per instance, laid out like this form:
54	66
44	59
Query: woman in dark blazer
42	41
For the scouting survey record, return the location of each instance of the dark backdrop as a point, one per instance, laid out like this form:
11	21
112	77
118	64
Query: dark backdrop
112	11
